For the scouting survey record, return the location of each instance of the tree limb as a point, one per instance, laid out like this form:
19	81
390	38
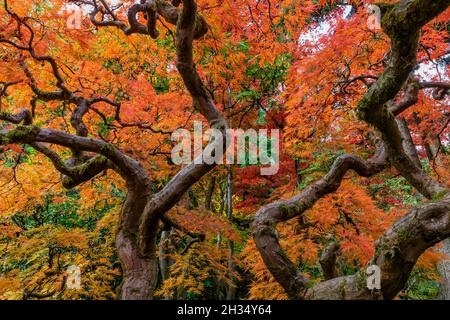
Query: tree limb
396	253
267	218
402	23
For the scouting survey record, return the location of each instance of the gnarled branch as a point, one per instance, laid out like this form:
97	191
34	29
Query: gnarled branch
266	220
396	253
402	23
164	200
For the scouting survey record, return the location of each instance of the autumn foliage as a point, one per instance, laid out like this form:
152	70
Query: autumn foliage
302	67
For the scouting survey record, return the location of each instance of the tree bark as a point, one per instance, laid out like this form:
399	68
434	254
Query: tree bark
444	271
408	143
140	273
164	261
328	260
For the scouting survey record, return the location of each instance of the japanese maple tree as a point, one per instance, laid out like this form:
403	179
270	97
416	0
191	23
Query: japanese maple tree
92	109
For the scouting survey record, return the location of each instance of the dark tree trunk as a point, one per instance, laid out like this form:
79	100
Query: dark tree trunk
444	271
140	274
408	143
164	261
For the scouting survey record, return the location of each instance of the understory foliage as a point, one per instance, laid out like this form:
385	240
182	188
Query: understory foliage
297	66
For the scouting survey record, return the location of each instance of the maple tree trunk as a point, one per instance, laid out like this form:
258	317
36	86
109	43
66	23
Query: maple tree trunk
408	143
140	273
164	261
328	260
444	271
